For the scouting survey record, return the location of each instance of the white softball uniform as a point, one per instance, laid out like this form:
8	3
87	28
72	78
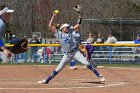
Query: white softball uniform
68	42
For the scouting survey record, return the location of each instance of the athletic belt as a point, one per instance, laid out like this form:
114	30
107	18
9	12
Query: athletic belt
67	52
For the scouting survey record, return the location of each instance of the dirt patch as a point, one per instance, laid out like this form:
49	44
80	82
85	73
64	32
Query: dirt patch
23	79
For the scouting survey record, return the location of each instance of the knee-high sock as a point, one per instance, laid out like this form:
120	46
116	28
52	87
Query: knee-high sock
93	70
53	74
72	63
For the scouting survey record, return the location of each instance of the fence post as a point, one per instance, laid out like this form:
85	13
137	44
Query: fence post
44	55
110	56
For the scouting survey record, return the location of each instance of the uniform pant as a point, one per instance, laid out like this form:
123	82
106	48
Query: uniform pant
68	57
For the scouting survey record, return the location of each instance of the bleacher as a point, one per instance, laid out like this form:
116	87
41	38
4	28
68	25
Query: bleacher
109	55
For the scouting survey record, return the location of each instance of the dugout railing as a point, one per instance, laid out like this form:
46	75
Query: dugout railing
110	55
103	54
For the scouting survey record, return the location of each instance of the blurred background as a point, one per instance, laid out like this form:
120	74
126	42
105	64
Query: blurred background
100	16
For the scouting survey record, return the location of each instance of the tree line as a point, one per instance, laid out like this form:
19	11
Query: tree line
34	15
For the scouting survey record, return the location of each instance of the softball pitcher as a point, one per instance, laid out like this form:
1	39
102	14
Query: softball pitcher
69	48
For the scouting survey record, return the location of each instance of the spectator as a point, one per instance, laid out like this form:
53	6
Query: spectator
90	39
99	39
137	41
14	40
50	51
51	47
40	55
40	40
111	39
48	54
34	49
8	36
56	49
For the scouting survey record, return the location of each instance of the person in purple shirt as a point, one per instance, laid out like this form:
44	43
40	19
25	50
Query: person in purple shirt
137	41
88	54
90	50
5	13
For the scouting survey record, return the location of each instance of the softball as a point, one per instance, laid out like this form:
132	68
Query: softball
56	11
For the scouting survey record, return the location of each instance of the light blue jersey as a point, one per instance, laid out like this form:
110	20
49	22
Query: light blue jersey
2	31
2	28
64	40
68	41
76	37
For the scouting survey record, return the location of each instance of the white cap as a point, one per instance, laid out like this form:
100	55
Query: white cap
34	36
64	25
6	10
10	11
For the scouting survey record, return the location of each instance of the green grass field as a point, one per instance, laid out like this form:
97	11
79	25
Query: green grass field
107	65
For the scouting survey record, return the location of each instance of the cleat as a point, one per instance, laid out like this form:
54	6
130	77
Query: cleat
73	68
101	78
100	67
42	82
85	67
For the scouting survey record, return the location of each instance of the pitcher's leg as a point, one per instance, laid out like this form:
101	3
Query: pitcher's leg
61	65
78	56
63	62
